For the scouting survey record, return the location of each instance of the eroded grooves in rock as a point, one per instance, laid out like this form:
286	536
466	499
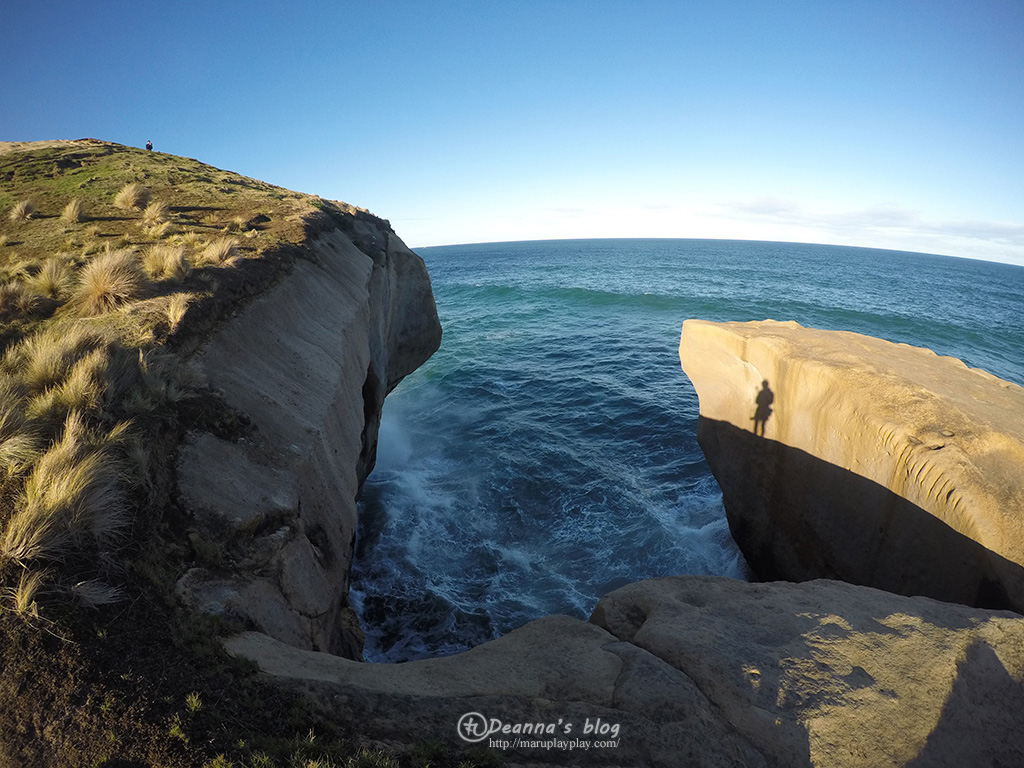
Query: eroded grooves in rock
845	456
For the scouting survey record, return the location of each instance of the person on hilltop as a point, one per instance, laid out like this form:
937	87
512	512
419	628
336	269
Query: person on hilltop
149	145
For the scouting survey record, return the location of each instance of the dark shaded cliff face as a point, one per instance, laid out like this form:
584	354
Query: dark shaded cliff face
840	525
843	456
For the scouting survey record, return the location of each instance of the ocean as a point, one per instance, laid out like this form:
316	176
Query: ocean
547	453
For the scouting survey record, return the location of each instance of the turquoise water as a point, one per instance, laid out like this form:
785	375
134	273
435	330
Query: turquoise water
547	453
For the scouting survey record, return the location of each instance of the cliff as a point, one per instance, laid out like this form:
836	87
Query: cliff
307	366
849	457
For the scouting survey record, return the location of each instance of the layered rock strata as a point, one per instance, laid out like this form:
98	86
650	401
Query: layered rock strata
705	671
845	456
306	366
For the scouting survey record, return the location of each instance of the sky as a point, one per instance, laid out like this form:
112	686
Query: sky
889	124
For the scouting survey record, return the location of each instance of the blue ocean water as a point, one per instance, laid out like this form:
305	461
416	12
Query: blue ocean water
547	453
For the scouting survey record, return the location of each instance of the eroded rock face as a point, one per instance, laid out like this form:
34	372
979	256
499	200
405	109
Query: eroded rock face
705	671
845	456
831	674
307	364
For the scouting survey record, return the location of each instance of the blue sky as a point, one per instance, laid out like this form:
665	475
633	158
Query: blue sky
893	124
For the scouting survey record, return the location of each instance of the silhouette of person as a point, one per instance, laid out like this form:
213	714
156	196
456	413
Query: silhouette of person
764	401
149	145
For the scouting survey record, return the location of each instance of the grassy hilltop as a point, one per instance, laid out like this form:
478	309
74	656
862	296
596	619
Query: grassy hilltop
115	263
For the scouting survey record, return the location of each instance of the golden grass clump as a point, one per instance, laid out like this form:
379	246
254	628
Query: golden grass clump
156	212
219	251
107	282
23	596
190	238
22	211
85	383
45	358
17	301
237	224
166	262
133	196
19	442
161	230
73	212
97	379
177	306
71	498
53	280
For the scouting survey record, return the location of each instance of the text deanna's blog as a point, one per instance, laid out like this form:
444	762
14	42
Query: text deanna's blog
474	727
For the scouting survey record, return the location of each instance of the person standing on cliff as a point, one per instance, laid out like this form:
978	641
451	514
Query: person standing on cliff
149	145
764	401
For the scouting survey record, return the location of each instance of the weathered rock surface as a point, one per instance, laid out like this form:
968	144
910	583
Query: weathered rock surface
703	671
830	674
872	462
307	364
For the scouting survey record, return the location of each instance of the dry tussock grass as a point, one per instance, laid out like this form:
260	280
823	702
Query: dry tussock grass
17	300
54	280
94	593
161	230
166	262
177	306
19	441
190	238
72	498
85	384
133	196
44	358
156	212
107	282
22	211
217	252
73	212
23	596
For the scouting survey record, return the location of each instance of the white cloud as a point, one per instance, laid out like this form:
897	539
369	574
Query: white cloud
884	225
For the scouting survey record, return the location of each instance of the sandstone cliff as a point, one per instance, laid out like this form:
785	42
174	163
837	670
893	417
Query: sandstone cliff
845	456
307	366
